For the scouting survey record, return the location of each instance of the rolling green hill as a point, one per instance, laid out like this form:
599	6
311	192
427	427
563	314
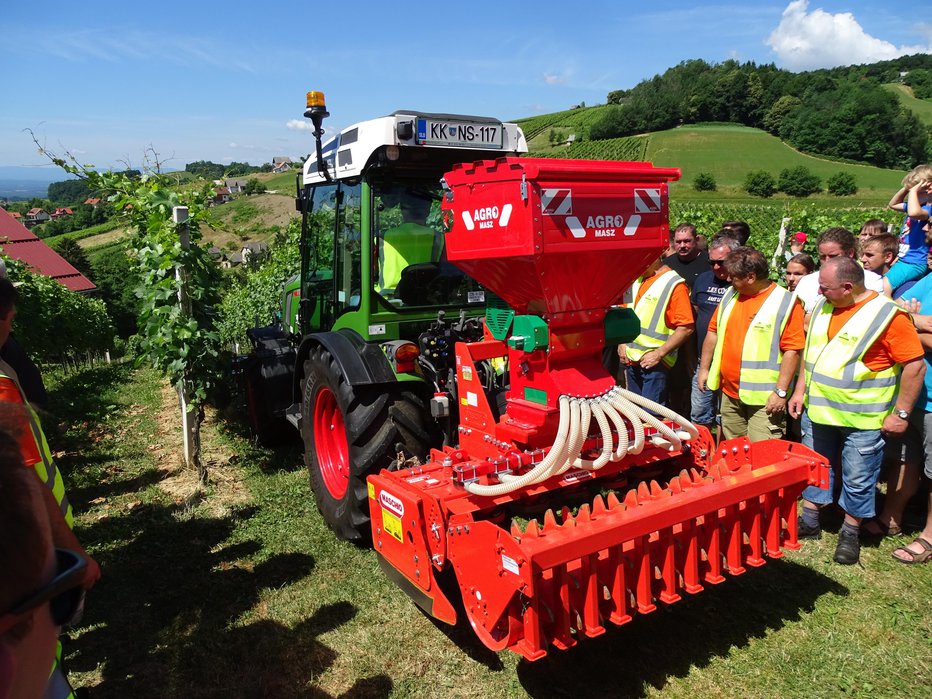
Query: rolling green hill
921	108
730	152
727	151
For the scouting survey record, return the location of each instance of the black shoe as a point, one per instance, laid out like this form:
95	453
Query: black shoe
848	550
805	531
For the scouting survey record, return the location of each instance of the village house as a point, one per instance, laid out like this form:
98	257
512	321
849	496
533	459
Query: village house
62	211
281	163
36	216
235	186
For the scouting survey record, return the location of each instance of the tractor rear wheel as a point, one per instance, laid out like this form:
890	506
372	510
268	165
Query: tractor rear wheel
349	433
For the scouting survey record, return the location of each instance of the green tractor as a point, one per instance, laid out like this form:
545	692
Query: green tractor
362	361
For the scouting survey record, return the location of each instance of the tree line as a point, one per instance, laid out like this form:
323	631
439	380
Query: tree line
843	113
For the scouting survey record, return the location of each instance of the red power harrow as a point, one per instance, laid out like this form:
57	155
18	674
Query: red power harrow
579	505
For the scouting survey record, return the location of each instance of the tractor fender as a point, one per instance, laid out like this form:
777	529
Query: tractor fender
362	363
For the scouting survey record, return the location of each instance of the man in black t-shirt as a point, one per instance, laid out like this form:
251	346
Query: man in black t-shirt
706	295
689	261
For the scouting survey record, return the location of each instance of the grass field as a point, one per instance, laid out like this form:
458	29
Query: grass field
730	152
921	108
242	591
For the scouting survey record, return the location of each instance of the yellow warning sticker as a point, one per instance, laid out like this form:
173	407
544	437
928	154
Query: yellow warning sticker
392	524
371	490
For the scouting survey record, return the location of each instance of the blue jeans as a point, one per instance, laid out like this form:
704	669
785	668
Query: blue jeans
650	383
861	455
703	410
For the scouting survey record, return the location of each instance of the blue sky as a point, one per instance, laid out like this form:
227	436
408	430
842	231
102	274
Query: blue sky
105	80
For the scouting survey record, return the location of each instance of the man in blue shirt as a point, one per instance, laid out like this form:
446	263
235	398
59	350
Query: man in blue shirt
707	292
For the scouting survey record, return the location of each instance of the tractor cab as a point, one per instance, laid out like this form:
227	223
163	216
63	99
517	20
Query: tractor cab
373	254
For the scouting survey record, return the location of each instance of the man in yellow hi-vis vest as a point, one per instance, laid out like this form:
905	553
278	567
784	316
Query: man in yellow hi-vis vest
661	302
751	350
37	456
411	242
862	372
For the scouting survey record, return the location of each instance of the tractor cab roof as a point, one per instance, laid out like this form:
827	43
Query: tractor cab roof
414	140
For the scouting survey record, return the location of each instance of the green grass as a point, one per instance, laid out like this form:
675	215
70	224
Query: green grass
243	591
283	183
921	108
104	227
730	152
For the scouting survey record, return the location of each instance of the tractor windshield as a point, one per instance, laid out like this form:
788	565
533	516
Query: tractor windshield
410	268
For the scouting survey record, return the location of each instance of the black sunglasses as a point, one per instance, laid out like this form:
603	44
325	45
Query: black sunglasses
65	594
716	263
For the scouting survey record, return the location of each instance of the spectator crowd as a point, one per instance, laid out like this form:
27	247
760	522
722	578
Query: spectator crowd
839	357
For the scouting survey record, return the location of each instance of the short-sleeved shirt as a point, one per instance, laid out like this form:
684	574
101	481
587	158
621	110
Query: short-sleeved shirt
922	292
793	336
679	311
898	344
913	247
689	271
706	295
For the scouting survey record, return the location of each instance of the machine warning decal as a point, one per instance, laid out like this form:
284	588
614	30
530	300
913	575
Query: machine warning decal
392	524
472	398
510	564
377	329
371	489
391	503
475	297
556	202
647	201
467	373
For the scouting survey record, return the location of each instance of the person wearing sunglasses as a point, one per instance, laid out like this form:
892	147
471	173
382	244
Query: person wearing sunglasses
41	587
37	457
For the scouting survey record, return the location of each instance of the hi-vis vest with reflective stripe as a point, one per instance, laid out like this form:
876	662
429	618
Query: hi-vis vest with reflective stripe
404	245
760	355
842	390
651	310
46	468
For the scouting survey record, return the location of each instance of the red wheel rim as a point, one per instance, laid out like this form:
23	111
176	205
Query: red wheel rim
330	443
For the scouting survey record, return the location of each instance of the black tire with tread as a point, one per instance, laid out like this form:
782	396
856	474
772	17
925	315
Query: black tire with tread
377	420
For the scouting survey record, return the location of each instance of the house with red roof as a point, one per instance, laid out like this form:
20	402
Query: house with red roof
36	216
63	211
93	201
17	242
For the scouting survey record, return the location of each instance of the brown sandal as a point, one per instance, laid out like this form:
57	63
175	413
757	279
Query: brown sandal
915	557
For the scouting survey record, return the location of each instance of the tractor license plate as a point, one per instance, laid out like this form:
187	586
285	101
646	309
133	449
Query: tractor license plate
435	132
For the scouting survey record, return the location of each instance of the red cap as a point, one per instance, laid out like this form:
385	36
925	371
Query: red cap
800	236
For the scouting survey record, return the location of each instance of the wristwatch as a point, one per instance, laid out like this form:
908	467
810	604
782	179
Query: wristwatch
902	414
780	392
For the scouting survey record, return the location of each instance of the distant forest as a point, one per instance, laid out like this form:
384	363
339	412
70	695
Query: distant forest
840	112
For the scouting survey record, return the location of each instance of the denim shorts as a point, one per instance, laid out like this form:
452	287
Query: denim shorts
861	456
703	410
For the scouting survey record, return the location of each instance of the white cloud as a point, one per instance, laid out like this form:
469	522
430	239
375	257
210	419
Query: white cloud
300	125
809	40
553	79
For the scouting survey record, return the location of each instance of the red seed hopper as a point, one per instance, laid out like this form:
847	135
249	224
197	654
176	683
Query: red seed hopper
579	503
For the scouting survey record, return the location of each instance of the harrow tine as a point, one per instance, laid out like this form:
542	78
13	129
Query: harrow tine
550	521
643	492
656	491
675	486
565	515
532	532
516	530
583	514
613	503
631	499
598	506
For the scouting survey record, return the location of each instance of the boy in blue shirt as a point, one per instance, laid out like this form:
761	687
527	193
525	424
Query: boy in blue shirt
912	198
